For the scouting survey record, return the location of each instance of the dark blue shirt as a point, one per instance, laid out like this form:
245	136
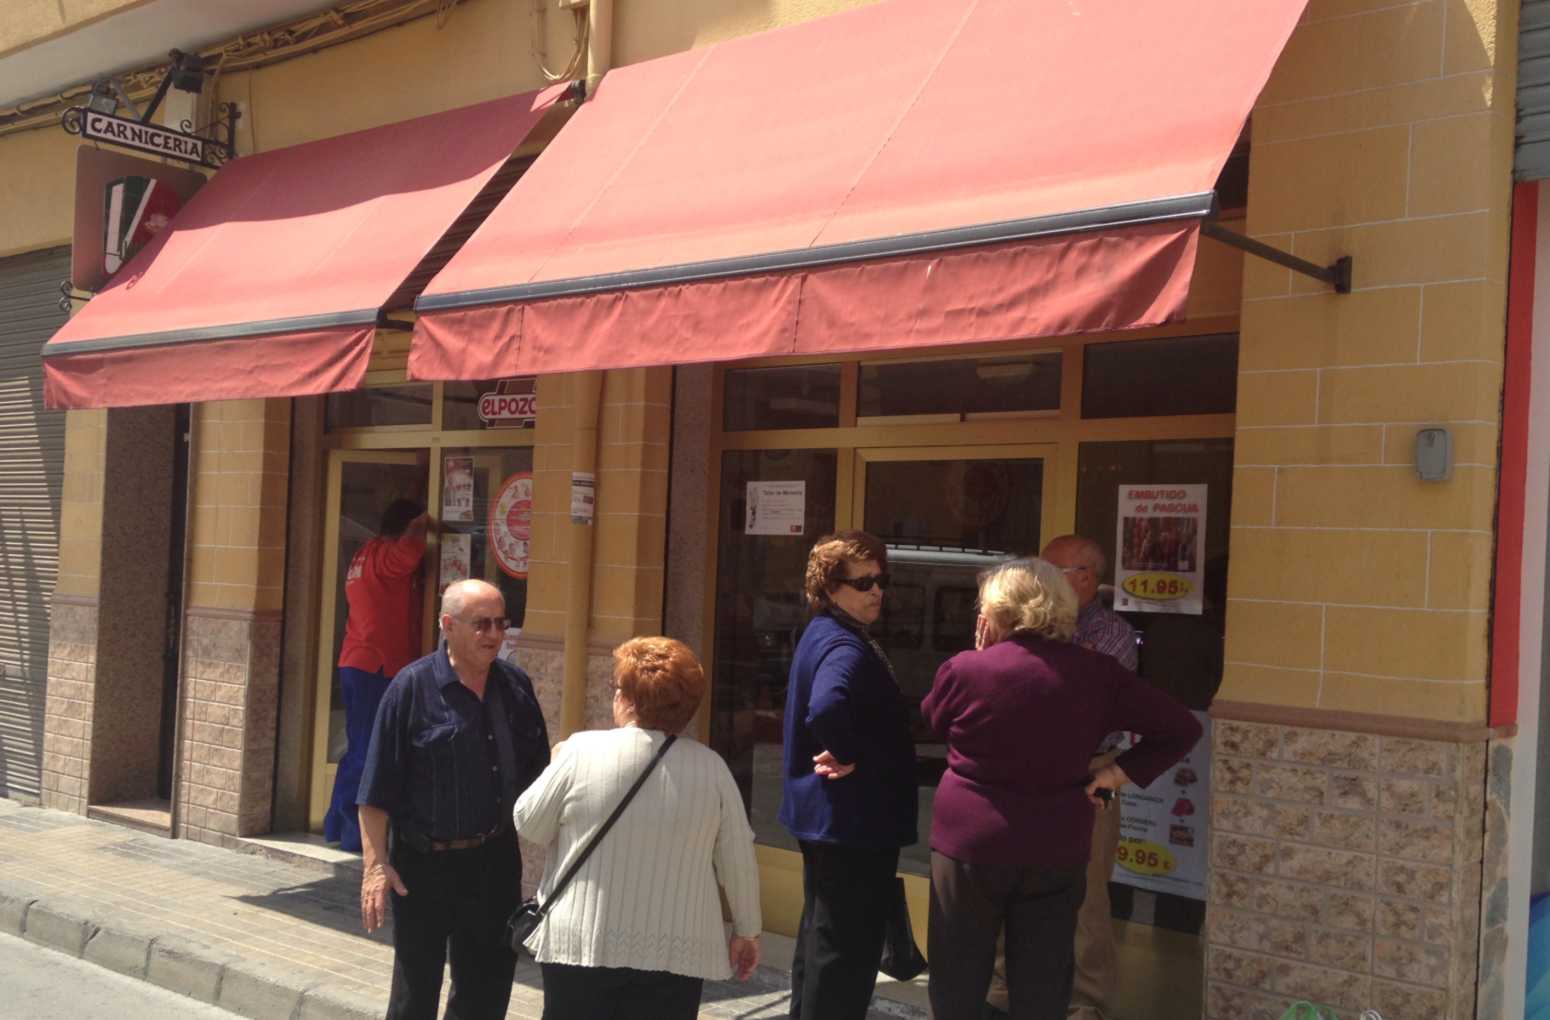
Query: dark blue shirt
445	764
843	699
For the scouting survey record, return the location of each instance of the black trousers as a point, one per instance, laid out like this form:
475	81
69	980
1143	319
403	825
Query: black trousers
847	897
457	905
618	993
969	904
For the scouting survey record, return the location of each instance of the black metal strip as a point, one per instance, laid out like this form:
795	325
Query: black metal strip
1105	218
1337	274
203	334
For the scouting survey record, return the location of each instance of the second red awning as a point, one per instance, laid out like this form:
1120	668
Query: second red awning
911	173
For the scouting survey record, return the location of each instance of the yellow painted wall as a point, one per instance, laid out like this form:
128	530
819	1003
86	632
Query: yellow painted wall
1384	133
37	195
630	530
241	457
644	29
80	504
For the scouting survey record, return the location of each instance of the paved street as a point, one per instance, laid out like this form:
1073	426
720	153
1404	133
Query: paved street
260	936
42	984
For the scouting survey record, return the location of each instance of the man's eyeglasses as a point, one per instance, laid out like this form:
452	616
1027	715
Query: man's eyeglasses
866	583
484	623
1075	569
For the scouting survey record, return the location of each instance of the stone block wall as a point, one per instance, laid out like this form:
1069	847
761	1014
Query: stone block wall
67	707
1346	869
230	683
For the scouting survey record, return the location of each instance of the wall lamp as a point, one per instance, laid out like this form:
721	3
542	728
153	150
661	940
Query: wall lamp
186	73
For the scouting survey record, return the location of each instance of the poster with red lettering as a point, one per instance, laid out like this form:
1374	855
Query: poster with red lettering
1160	549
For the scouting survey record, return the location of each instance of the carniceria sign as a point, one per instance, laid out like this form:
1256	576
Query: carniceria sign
151	138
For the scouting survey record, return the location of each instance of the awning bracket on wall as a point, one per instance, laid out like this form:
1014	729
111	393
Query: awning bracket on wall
1337	274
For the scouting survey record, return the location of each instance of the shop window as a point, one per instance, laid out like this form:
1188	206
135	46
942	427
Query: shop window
496	404
760	562
1179	653
485	514
945	521
1025	382
1154	378
800	397
379	405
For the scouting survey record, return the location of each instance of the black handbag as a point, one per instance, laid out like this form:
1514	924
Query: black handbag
526	918
902	959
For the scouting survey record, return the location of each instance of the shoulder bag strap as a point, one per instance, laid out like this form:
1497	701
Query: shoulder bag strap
597	837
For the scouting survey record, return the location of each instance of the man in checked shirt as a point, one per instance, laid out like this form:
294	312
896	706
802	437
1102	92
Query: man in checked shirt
1097	955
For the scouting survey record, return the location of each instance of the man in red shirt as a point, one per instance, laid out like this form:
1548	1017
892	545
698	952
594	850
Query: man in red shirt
381	637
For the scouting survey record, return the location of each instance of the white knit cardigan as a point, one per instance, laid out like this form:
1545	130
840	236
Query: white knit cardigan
647	897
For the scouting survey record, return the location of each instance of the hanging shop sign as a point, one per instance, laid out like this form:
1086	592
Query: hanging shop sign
149	138
1162	533
512	405
511	523
122	203
776	508
1162	829
457	490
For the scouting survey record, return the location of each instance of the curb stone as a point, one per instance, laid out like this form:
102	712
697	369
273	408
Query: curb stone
14	907
120	948
61	925
187	968
338	1002
262	990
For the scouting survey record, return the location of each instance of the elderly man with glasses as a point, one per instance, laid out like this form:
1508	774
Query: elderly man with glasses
458	737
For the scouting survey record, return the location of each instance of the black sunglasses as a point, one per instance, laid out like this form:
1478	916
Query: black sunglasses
865	583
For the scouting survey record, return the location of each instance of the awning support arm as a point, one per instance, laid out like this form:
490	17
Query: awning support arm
1337	275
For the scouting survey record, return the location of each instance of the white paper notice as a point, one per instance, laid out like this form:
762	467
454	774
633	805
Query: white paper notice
583	497
457	490
456	552
776	508
1162	829
1161	543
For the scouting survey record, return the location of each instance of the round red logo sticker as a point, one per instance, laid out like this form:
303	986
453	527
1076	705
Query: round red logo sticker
511	523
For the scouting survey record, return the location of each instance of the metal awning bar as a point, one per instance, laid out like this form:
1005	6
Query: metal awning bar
1337	274
1108	217
205	334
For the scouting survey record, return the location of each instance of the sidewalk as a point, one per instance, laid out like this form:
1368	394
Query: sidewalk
261	937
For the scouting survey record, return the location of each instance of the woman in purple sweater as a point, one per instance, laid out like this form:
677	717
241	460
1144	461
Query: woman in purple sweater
1013	818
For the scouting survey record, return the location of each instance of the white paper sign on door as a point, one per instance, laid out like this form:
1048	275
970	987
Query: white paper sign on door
457	490
776	508
1161	549
456	554
1162	829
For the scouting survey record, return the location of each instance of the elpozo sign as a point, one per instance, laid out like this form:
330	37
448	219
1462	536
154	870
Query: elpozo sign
151	138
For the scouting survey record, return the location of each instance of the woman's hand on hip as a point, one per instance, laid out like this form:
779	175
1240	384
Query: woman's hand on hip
1111	777
830	767
744	956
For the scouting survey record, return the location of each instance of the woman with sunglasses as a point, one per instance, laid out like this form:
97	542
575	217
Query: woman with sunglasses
849	779
1012	822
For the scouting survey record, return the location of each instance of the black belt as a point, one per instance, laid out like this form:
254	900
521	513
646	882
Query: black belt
425	845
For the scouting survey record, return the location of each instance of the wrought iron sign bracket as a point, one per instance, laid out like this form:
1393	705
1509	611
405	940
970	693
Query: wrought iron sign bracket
1337	274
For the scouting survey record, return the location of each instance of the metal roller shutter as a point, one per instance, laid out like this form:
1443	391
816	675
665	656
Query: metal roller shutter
1533	157
32	455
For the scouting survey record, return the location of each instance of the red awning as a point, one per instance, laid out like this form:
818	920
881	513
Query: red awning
271	281
914	172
